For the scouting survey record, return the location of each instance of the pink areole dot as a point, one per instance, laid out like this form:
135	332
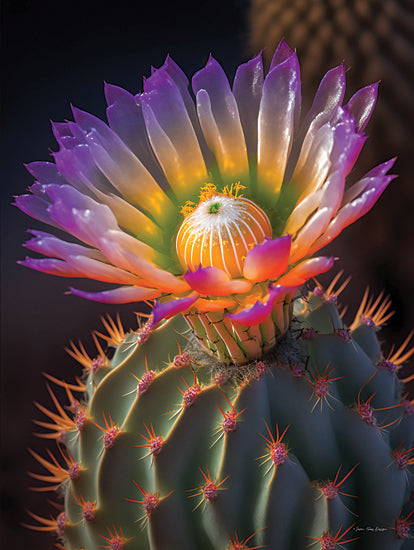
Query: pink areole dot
61	521
145	381
88	512
320	387
278	454
387	365
80	419
367	321
328	542
110	437
73	471
150	503
183	360
156	445
190	395
330	491
210	491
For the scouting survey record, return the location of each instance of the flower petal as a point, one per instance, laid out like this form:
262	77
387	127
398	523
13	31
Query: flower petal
307	269
361	105
125	118
121	295
309	233
220	120
94	269
122	167
260	311
268	259
330	93
52	246
172	135
171	308
124	251
35	207
45	172
214	281
353	211
52	266
281	95
247	89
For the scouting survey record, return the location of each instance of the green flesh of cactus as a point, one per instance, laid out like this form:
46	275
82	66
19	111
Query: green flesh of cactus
283	503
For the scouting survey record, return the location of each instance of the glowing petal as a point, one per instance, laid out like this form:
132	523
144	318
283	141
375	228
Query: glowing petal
220	120
172	135
268	259
281	94
212	280
122	167
121	295
52	266
361	105
247	89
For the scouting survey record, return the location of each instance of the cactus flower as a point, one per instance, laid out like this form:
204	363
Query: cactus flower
215	208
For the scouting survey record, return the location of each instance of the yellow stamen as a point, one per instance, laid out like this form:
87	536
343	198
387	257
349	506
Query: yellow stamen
209	190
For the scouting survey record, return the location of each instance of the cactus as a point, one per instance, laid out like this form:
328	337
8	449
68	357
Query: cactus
243	411
168	448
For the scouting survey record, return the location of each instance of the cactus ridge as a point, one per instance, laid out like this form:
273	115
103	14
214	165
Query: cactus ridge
163	447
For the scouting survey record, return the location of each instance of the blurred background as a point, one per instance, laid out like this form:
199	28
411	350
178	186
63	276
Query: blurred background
55	54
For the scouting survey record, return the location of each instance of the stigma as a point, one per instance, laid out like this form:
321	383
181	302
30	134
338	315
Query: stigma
219	232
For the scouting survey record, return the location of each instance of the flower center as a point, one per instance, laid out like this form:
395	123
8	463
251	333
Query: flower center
220	231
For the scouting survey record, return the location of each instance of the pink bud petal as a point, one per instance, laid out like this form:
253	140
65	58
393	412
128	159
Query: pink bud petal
171	308
212	280
260	311
268	259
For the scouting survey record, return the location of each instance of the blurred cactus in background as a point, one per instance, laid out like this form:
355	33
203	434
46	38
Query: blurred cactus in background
243	410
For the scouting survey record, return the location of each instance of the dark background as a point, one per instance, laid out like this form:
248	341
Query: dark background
55	53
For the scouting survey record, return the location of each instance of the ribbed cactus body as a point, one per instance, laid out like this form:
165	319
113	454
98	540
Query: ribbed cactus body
178	452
